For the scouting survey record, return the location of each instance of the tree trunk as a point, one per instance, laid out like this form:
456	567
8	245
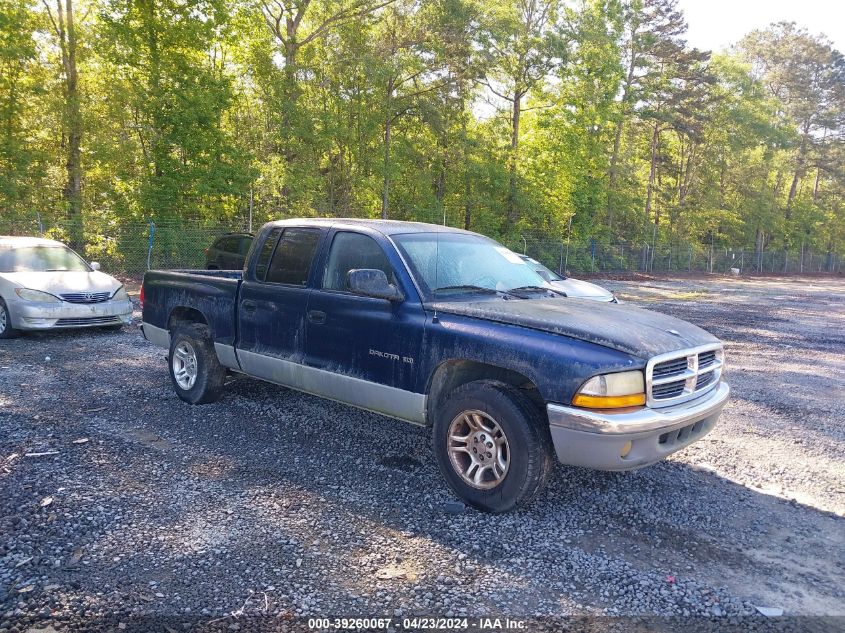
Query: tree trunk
617	138
388	120
72	192
512	215
655	136
799	170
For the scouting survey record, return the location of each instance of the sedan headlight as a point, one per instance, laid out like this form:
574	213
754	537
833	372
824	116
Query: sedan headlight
612	391
120	294
36	296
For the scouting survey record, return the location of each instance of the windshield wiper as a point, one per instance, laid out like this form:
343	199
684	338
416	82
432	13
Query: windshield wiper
468	288
471	288
541	288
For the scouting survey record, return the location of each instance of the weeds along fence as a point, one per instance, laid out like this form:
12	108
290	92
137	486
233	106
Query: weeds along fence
131	247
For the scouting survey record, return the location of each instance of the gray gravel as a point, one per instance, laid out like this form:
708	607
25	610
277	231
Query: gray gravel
276	504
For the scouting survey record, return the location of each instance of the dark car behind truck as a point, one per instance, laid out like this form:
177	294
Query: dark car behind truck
449	329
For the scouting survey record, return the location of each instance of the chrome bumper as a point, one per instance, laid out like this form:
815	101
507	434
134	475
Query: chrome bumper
598	440
156	335
34	316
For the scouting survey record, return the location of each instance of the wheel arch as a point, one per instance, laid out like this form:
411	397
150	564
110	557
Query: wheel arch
451	374
183	315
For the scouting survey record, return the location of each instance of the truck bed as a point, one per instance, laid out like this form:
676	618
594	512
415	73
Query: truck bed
169	294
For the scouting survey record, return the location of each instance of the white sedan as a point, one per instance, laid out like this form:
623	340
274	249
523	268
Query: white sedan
44	285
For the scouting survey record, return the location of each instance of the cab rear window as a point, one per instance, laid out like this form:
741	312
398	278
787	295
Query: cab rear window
266	253
292	258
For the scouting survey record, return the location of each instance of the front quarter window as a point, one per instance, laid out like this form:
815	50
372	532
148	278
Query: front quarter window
449	263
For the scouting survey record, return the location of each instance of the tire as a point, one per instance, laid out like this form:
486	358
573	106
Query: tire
527	452
6	329
192	350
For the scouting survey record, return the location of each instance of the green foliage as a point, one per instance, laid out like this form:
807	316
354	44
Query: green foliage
517	119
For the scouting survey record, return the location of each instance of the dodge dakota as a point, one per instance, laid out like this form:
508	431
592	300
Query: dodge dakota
448	329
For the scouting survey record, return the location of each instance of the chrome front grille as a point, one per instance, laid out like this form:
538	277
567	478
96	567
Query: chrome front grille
680	376
86	297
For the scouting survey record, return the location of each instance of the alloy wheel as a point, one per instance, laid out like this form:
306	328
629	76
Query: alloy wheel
478	449
185	365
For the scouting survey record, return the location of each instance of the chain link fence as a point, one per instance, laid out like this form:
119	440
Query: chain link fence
130	248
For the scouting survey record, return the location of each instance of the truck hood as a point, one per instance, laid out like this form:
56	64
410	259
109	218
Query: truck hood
635	331
60	282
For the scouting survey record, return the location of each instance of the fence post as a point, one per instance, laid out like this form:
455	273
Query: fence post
150	248
801	265
690	259
710	266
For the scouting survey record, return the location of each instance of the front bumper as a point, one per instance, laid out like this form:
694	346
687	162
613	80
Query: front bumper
27	315
598	440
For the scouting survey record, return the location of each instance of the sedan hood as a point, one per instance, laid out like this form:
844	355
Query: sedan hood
635	331
582	289
61	282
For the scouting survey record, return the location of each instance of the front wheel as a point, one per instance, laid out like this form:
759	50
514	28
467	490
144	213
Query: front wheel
195	371
6	329
492	446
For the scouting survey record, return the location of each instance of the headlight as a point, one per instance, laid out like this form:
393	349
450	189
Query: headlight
36	295
120	294
612	391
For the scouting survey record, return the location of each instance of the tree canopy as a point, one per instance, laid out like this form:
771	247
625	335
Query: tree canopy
517	118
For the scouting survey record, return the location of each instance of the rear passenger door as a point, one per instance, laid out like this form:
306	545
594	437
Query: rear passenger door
272	303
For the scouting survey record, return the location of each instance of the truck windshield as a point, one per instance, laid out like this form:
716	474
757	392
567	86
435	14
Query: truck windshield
456	263
40	259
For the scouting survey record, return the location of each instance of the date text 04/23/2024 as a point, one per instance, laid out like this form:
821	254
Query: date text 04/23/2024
417	624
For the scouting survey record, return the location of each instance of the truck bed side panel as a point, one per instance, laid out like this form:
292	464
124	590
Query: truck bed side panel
212	293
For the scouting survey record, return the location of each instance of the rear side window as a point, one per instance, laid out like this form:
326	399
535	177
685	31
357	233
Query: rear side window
266	253
292	260
351	251
246	242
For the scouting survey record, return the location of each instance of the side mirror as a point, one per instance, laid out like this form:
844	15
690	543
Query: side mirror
546	276
371	282
95	265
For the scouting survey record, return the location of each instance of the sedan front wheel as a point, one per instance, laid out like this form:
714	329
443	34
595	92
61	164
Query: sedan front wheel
6	329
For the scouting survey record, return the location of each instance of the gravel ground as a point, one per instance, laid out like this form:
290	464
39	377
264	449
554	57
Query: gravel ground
119	502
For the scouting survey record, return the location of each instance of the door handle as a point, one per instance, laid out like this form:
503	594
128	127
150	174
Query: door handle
316	316
248	306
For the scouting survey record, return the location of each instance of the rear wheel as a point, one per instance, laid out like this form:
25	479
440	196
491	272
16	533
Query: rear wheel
6	329
492	446
195	371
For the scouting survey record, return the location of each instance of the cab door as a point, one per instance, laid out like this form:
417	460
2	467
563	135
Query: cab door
273	301
371	346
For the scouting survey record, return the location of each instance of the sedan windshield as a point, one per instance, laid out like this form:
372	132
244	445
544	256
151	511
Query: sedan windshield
455	263
40	259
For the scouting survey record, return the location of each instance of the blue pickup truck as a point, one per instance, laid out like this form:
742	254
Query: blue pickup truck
449	329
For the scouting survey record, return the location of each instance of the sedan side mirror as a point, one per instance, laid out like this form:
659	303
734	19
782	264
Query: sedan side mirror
95	265
371	282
